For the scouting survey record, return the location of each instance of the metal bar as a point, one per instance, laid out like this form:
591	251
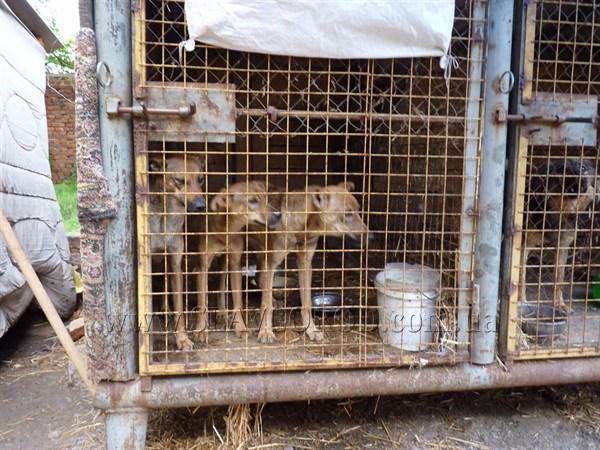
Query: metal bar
114	108
509	334
552	120
528	46
144	265
473	128
126	428
511	206
112	20
296	386
275	115
491	194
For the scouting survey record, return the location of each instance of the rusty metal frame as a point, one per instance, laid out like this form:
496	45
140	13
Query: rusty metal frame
215	390
140	143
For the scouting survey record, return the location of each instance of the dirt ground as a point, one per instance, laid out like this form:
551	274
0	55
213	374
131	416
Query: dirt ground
39	409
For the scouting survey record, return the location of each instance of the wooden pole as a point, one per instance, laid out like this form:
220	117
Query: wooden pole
42	297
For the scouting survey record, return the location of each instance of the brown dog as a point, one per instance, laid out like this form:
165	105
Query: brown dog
175	188
306	216
558	193
235	207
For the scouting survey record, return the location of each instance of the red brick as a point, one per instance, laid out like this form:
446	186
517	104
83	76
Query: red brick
61	125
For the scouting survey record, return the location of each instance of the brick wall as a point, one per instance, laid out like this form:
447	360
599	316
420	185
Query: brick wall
60	109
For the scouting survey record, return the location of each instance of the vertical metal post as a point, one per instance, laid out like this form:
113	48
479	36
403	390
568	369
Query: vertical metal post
468	222
126	428
522	67
112	23
491	191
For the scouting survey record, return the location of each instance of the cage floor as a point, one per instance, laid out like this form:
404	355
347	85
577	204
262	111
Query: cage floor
582	327
225	352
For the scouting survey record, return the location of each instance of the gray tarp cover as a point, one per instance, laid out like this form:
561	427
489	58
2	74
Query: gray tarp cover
27	195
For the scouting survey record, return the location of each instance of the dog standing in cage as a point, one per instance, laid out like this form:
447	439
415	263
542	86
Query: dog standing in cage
232	210
306	216
559	192
175	188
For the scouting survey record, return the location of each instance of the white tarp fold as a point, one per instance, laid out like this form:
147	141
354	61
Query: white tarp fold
324	28
27	195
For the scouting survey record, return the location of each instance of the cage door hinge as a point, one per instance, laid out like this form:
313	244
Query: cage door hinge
114	108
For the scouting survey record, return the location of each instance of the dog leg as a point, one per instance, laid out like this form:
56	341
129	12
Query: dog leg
304	261
181	339
560	261
235	276
272	260
222	313
201	333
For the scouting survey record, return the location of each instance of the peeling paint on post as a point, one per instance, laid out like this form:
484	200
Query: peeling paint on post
112	21
491	193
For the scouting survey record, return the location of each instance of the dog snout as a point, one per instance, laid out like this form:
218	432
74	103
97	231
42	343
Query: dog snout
197	205
274	218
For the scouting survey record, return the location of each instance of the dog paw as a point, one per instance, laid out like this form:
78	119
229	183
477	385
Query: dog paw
315	334
566	308
241	330
201	336
222	318
183	343
266	336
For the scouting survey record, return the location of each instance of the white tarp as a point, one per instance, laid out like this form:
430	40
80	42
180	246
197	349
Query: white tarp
324	28
27	195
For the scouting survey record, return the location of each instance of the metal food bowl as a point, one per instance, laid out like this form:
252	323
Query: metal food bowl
327	302
542	322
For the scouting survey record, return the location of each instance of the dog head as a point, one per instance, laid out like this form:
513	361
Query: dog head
339	211
247	199
181	178
567	185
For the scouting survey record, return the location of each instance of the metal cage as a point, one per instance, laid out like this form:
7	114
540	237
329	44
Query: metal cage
434	168
555	199
404	136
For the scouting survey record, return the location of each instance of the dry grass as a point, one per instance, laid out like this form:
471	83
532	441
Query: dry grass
52	360
205	428
387	422
580	405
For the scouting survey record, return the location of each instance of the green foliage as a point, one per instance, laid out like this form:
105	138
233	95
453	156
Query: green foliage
66	193
61	61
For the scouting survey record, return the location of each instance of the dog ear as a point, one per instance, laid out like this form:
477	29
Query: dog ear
320	197
348	185
155	165
261	185
219	201
198	160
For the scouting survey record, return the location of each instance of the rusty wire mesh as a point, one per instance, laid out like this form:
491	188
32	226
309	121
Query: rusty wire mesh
390	127
558	258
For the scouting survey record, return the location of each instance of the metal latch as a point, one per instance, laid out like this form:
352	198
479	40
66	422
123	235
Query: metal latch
569	119
114	108
194	114
501	116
